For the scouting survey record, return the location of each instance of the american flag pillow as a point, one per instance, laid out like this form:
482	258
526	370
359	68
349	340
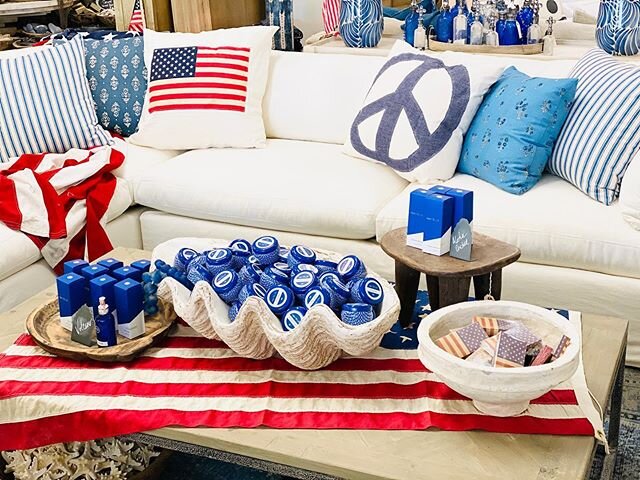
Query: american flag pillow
205	90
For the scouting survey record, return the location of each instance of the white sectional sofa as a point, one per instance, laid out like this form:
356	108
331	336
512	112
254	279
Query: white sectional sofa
577	253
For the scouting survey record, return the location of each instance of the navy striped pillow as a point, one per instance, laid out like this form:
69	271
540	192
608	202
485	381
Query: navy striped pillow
602	131
45	103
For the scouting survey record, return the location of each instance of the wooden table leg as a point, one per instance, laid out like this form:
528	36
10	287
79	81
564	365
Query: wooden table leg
407	280
481	285
445	291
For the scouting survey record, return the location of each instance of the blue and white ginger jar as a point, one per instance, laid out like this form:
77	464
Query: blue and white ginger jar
618	27
361	23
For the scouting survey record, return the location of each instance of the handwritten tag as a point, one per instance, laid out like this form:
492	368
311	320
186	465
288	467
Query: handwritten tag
461	241
84	326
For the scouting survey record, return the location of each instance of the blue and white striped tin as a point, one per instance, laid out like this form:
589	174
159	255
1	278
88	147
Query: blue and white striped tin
301	254
241	252
302	283
326	266
252	290
279	299
367	290
219	259
250	274
357	313
234	310
304	267
266	249
199	273
317	296
293	318
227	285
272	277
351	268
283	267
339	292
183	257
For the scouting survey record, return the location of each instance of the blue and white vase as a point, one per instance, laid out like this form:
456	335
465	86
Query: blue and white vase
361	23
280	14
618	27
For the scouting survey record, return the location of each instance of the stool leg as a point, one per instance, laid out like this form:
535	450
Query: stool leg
433	287
453	290
407	280
481	285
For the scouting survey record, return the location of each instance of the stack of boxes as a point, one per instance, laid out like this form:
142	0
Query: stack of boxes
433	214
83	284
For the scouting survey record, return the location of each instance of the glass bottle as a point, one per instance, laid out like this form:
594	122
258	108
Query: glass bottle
491	37
510	34
534	33
420	36
525	19
444	25
476	32
411	23
501	24
460	25
549	39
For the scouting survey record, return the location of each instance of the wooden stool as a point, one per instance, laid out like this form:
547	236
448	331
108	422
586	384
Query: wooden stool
448	278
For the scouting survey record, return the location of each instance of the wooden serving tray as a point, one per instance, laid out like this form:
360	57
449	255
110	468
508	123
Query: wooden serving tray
43	324
532	49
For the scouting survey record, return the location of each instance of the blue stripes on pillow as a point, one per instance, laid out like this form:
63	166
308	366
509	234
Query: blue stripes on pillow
602	131
45	103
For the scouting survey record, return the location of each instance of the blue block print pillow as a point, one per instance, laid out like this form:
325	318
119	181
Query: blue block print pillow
512	135
118	81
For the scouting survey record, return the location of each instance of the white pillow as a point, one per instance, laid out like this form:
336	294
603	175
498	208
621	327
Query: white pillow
417	111
630	194
205	89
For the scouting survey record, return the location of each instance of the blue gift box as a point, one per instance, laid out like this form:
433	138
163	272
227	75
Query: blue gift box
90	272
72	296
102	286
438	223
442	190
462	204
129	296
142	265
127	272
417	208
111	264
75	266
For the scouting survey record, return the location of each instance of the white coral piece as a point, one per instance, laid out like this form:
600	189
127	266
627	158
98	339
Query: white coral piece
320	339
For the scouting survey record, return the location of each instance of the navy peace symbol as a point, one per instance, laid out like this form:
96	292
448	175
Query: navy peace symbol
402	100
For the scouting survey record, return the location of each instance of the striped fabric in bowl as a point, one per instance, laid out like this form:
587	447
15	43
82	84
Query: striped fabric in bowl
602	131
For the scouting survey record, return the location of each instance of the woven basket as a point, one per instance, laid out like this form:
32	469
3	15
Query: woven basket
320	339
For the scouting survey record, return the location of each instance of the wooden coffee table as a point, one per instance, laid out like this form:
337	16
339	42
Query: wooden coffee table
399	455
448	278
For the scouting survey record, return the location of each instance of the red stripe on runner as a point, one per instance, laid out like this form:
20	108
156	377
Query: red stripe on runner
234	108
172	86
195	96
25	340
84	426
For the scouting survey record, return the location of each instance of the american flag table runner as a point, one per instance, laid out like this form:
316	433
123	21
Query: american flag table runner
199	78
191	381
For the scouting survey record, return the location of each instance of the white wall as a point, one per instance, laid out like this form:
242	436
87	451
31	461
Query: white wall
307	16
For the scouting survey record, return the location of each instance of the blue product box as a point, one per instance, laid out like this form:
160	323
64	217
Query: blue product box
72	296
75	266
130	304
103	287
142	265
442	190
462	204
90	272
127	272
111	264
417	208
438	224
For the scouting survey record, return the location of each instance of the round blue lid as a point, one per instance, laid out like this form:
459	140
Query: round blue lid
293	317
225	281
266	244
316	296
301	282
332	283
302	254
283	252
349	266
254	271
277	275
257	290
357	308
240	245
326	275
283	267
279	299
253	260
327	264
219	256
303	267
371	290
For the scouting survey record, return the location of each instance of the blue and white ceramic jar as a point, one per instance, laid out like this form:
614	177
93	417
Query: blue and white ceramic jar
618	27
361	23
280	14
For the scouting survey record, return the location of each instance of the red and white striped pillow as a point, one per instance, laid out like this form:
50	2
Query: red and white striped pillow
205	90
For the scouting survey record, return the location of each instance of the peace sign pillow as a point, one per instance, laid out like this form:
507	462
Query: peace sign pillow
417	111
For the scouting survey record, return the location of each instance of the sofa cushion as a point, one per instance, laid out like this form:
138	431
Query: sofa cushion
292	186
139	160
553	224
18	252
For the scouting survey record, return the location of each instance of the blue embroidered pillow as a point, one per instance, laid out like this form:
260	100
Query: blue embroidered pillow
512	135
118	81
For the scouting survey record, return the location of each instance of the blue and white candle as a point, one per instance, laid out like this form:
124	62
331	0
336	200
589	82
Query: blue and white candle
72	296
129	296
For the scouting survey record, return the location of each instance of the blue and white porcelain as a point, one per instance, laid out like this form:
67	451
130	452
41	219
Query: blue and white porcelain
253	290
301	254
618	27
241	252
234	309
280	14
302	283
272	277
219	259
357	313
227	285
279	299
317	296
183	257
250	274
266	249
293	318
367	290
351	268
361	23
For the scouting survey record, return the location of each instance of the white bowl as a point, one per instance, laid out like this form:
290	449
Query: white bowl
501	392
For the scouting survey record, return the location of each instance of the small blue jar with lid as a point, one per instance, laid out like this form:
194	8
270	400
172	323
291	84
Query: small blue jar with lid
357	313
283	253
339	291
183	257
241	252
301	254
316	296
227	285
266	249
219	259
322	278
302	283
293	318
234	309
304	267
272	277
367	290
283	267
279	299
252	290
250	273
326	266
199	273
351	268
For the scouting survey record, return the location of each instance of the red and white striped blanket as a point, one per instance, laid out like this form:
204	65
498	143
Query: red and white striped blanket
191	381
59	201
